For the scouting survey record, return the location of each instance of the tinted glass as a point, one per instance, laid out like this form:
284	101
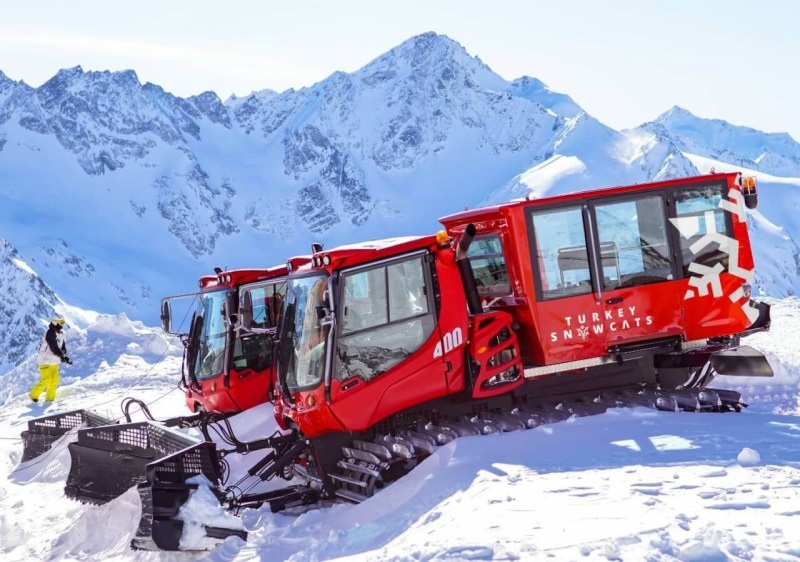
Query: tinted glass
489	265
211	339
385	318
561	255
305	329
633	242
698	214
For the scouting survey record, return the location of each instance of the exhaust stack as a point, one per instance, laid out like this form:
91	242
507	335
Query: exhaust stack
465	268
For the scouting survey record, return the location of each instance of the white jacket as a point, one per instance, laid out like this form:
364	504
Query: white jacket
46	355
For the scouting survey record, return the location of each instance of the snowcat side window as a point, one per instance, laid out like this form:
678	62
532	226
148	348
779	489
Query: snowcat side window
267	301
561	254
633	242
700	207
489	265
255	350
386	316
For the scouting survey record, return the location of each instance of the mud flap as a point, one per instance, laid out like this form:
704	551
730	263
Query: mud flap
742	361
110	459
43	432
165	490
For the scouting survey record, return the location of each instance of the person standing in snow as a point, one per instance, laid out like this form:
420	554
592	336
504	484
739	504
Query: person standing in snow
52	352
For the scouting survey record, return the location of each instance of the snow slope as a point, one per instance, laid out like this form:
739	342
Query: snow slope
626	485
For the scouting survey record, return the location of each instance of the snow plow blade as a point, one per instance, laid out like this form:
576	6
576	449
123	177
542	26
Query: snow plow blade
43	432
108	460
742	361
165	490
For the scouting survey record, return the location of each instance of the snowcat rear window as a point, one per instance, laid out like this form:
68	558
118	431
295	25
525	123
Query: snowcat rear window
489	265
698	209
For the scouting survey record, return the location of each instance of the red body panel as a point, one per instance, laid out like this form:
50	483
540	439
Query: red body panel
247	390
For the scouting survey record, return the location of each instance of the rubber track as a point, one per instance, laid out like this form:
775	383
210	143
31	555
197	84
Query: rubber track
367	466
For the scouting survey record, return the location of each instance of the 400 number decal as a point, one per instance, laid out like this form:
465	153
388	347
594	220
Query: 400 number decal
448	343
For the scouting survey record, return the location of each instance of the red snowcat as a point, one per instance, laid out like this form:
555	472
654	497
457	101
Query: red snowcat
224	370
228	370
516	315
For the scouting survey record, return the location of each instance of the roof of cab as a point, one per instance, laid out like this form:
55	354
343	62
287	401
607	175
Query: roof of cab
495	212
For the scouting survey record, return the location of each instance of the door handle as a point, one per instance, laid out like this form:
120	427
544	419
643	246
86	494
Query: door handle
350	384
615	300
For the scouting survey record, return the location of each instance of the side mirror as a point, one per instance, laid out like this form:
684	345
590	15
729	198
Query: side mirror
166	317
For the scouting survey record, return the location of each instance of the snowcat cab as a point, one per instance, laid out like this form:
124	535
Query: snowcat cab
226	369
518	315
660	272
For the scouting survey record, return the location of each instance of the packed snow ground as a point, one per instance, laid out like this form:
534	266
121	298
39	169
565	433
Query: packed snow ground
630	484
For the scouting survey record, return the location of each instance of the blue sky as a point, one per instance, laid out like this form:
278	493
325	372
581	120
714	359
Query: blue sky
625	62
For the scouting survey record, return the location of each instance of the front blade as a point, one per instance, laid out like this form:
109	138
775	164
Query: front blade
742	361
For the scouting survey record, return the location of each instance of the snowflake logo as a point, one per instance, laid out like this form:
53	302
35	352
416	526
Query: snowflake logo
583	331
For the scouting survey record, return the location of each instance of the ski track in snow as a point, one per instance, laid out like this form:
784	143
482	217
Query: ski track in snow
631	484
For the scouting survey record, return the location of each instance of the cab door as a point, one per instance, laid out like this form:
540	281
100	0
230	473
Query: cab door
605	275
569	311
639	288
385	357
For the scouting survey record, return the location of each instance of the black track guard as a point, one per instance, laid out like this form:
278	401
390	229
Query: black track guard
110	459
43	432
742	361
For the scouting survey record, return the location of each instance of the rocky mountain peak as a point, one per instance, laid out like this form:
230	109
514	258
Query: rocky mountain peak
773	153
433	55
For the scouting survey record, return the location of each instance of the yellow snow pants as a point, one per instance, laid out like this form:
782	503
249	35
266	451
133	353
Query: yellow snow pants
48	379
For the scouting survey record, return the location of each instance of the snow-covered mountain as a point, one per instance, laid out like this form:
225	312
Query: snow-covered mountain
116	193
711	144
26	307
777	154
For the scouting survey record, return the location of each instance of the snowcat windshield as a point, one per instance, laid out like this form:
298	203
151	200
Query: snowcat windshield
210	340
303	334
